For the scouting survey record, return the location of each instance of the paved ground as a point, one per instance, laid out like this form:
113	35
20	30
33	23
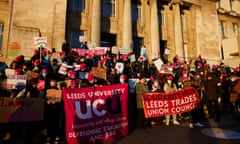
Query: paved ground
182	134
160	134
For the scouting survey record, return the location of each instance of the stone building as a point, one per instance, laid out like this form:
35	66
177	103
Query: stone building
23	20
229	21
187	28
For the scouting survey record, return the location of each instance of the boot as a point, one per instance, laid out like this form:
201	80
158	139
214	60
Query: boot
175	122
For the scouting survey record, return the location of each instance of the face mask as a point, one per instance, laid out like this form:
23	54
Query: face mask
122	81
44	74
46	57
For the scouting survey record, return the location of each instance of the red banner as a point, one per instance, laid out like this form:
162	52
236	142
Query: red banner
96	114
83	52
161	104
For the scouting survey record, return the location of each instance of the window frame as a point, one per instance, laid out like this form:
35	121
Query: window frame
1	36
235	29
223	28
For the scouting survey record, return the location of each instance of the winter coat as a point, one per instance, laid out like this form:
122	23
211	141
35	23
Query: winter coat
140	89
211	88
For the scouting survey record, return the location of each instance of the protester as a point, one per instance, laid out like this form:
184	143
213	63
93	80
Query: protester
78	71
53	118
141	88
195	82
211	85
170	86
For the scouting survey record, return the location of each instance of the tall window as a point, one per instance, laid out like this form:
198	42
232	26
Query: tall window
235	29
223	28
138	43
78	5
231	4
1	36
183	22
161	17
136	12
219	4
109	8
73	38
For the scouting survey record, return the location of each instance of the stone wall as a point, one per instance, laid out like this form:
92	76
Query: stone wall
32	18
5	11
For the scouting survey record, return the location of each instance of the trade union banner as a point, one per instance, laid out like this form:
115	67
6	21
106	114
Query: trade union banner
96	114
161	104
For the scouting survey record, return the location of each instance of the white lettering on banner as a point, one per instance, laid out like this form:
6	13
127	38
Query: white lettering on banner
84	133
114	127
185	100
110	133
76	96
88	114
161	111
107	92
96	137
78	126
156	104
183	108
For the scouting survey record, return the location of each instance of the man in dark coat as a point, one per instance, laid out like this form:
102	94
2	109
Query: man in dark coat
211	85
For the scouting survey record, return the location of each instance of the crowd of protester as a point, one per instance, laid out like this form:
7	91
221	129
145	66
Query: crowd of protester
213	83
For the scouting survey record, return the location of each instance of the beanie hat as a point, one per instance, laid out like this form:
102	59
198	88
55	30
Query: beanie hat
44	70
36	62
35	51
18	71
141	58
63	53
82	66
17	59
151	78
73	83
123	76
90	77
170	77
71	74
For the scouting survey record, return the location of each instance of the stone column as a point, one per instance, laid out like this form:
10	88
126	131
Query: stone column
127	24
59	21
155	42
178	34
198	28
96	22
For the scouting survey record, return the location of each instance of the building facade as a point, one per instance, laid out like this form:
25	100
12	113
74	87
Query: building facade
228	17
23	20
187	28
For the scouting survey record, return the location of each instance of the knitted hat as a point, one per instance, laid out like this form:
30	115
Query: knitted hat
63	53
36	62
17	59
82	66
151	78
74	83
44	70
18	71
170	77
90	77
36	51
71	74
141	58
123	76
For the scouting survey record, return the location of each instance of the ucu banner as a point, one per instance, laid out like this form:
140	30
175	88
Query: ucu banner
96	114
